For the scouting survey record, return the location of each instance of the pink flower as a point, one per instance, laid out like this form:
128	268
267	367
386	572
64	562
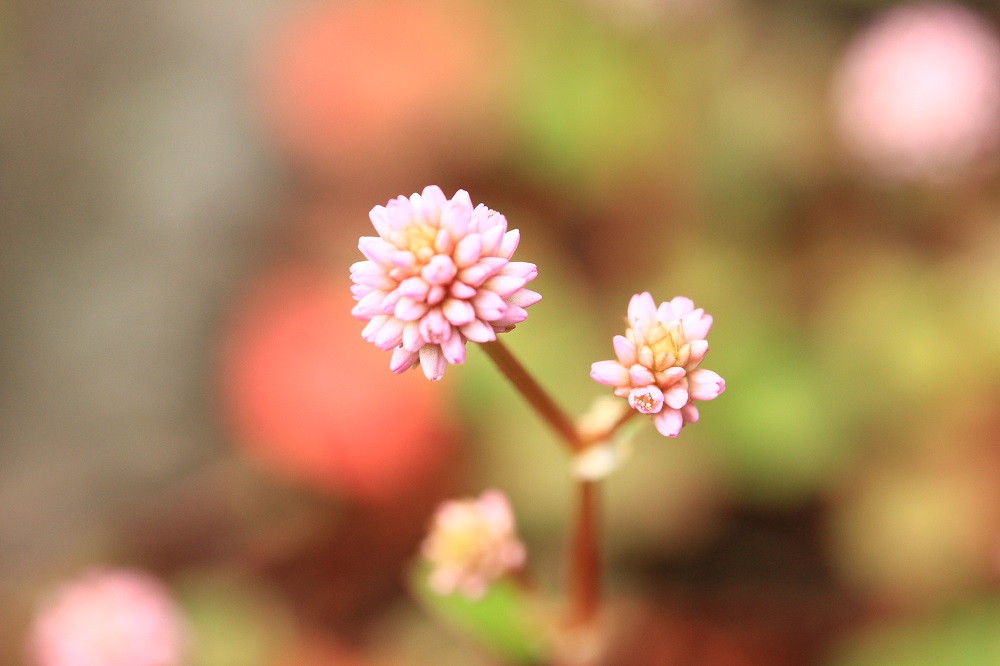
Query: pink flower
109	618
917	94
438	274
472	543
657	366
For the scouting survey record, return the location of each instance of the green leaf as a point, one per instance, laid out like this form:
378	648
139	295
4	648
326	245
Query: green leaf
507	620
967	637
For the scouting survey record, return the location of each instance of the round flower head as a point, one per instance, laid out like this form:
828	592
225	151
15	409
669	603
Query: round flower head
438	274
657	365
917	94
109	618
472	543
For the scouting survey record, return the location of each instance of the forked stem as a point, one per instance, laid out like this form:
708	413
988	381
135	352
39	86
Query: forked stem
584	553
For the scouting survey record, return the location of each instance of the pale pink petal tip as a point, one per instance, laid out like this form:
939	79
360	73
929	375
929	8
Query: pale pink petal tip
657	365
439	274
609	373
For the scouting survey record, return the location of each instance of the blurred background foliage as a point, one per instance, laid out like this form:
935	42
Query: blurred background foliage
184	391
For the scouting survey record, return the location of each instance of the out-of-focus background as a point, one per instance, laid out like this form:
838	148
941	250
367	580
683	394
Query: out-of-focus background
184	392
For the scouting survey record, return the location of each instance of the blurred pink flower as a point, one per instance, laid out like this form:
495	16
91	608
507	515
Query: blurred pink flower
472	543
438	274
109	618
917	94
657	362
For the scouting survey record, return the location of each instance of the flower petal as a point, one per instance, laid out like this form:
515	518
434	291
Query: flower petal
488	305
457	311
415	288
478	331
640	375
705	384
455	214
641	313
509	244
377	250
609	373
373	326
676	396
412	340
433	198
439	270
370	305
514	315
682	306
375	280
698	350
403	359
504	285
646	399
696	328
521	269
524	298
434	327
432	362
454	349
484	269
669	422
625	350
493	237
390	335
468	250
408	309
380	220
459	289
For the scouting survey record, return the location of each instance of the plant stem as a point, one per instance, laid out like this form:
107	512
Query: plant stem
584	553
533	392
586	566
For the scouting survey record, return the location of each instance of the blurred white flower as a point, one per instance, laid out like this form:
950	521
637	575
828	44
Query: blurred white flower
917	93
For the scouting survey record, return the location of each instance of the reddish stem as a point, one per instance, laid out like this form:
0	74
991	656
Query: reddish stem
586	565
533	392
585	561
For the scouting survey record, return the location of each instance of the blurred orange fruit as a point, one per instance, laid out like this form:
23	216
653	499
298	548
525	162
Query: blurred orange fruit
376	81
306	397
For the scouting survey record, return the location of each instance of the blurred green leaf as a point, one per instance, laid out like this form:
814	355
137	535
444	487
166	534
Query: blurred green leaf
586	104
234	622
506	620
968	637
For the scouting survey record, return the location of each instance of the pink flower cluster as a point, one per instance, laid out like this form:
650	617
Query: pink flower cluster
437	275
472	543
109	618
657	362
917	93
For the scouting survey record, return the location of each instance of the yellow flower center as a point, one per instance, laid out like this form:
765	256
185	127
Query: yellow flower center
666	347
461	545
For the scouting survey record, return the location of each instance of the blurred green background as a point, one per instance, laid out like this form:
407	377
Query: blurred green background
183	185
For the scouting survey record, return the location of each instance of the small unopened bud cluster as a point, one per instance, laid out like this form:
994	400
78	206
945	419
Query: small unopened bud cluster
656	368
472	543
